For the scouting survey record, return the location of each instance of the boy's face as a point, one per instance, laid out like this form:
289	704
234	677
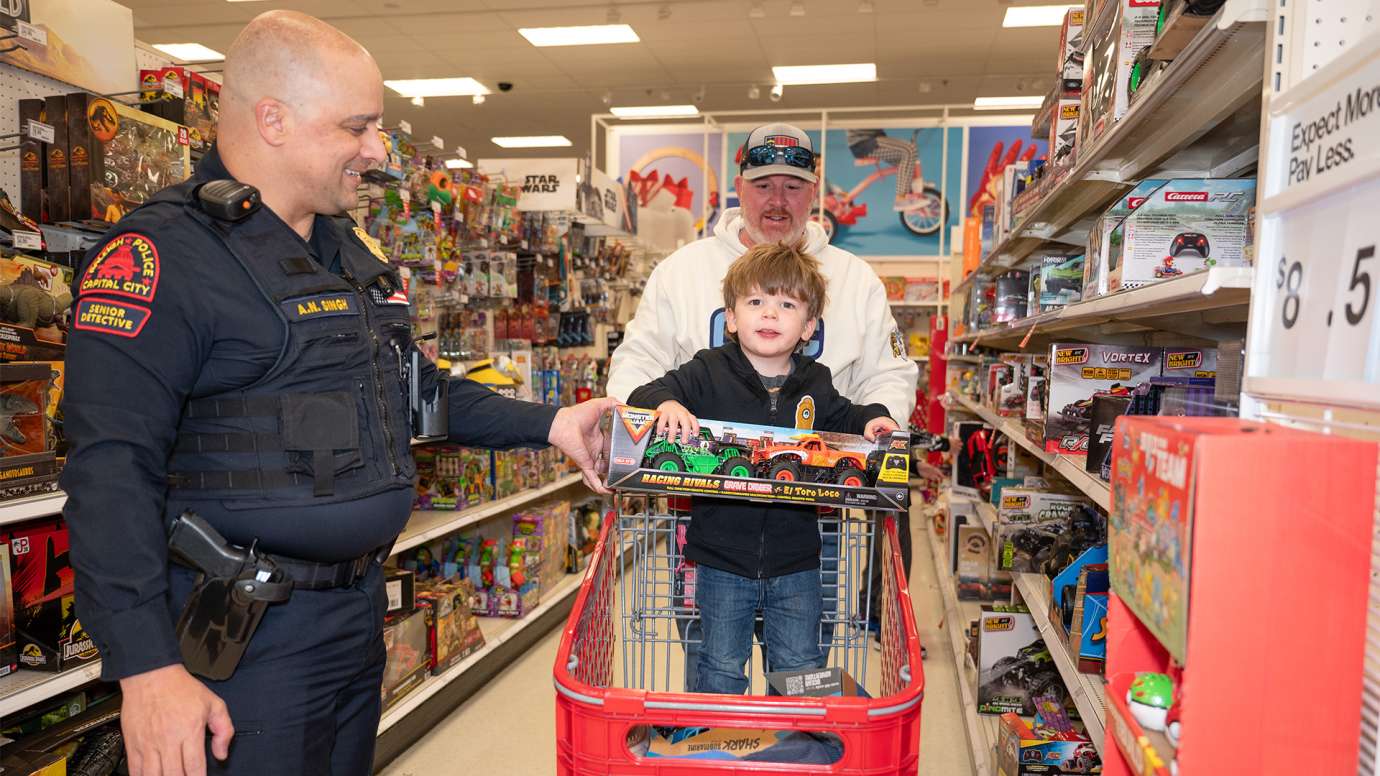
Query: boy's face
769	325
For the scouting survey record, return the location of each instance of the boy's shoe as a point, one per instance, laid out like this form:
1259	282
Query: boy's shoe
910	202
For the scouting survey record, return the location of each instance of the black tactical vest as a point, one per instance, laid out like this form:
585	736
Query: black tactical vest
329	422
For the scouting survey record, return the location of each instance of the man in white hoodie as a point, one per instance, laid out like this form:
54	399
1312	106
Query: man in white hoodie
682	310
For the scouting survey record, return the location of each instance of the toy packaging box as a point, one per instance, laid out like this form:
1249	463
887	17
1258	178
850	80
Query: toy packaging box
1184	226
1021	751
1106	409
183	97
1095	274
1197	364
761	463
452	477
1076	373
1037	368
453	632
133	156
1089	637
1013	664
57	186
1070	66
1063	130
400	586
405	641
545	531
1011	297
815	683
1061	281
971	462
583	536
1029	522
35	304
1116	35
9	650
1001	375
1064	587
974	561
1009	396
49	636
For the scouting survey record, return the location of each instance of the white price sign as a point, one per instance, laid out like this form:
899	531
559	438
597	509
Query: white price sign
438	142
32	33
28	241
39	131
405	126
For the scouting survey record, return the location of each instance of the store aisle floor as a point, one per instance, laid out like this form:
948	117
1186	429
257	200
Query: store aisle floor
508	727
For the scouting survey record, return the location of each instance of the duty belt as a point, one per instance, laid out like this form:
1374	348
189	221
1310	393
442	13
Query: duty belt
312	575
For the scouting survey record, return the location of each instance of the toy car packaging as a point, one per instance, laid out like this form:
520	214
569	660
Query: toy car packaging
1199	365
974	561
1186	225
1013	664
1023	752
1095	275
49	636
1116	33
1012	288
761	463
1070	69
1061	281
1079	371
1036	370
1063	130
405	641
1009	394
1029	525
1106	408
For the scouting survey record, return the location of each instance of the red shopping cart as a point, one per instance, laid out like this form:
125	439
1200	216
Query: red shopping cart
632	613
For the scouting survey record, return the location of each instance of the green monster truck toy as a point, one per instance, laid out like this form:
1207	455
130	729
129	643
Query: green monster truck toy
702	455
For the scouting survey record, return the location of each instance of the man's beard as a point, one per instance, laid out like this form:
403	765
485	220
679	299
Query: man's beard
795	240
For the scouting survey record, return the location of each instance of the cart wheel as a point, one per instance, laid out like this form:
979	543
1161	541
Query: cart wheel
737	466
668	462
852	478
786	471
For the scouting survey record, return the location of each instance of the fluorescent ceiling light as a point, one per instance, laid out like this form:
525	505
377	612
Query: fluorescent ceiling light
654	111
458	164
825	74
592	35
189	52
1008	103
532	141
1036	15
437	87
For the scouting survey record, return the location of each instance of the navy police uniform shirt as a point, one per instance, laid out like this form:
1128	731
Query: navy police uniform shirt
196	325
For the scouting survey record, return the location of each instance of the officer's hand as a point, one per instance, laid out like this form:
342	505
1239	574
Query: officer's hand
675	419
164	717
577	433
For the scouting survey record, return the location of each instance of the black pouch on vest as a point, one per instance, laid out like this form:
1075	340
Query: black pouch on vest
314	427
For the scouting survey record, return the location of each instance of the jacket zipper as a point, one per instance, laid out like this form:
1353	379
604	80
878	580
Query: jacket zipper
762	539
377	376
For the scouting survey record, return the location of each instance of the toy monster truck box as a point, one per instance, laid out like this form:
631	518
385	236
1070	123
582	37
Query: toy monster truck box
1076	372
49	636
1023	752
1186	225
1095	275
405	640
760	463
1029	521
1013	664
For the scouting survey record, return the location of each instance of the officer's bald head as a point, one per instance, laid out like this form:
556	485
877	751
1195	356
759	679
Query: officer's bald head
299	114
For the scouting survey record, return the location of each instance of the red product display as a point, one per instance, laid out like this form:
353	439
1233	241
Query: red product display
1277	537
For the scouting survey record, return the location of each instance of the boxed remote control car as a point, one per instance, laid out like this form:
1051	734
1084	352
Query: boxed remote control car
1011	292
1106	408
1061	281
1029	524
1009	395
1186	225
1116	35
1076	373
760	463
1036	369
1023	752
1014	665
1197	364
1070	70
974	562
1095	275
1063	131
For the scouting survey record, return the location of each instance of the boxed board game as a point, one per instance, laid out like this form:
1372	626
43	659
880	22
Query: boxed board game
1186	225
133	156
1014	665
1095	275
405	642
761	463
49	636
1029	524
1076	373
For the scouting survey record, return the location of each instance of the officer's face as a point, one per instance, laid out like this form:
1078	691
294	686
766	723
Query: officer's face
341	140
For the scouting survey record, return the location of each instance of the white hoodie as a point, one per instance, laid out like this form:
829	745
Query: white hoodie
681	313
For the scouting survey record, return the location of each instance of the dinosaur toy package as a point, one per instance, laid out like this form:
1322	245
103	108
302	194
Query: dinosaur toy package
28	463
50	636
35	300
761	463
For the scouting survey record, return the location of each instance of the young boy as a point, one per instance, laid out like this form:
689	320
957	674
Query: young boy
753	556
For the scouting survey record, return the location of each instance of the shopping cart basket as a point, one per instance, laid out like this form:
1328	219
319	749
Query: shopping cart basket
634	601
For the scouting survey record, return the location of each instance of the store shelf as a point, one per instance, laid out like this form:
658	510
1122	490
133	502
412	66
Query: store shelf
981	729
1088	690
426	525
23	688
21	509
1205	305
933	303
1195	119
497	632
1071	468
987	515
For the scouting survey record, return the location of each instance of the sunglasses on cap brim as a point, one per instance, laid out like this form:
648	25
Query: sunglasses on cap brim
794	156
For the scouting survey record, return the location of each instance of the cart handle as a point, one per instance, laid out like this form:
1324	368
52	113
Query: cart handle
731	708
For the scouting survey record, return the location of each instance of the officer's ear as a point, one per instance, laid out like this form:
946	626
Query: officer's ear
273	120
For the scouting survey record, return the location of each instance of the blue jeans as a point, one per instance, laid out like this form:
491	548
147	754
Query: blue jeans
791	607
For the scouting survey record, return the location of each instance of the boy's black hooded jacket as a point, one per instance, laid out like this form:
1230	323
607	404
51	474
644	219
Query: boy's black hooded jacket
742	537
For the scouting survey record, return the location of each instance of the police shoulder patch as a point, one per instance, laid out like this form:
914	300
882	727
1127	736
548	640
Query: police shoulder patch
126	266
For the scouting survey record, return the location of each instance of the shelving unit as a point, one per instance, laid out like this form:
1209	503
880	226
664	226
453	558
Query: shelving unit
1088	690
22	689
426	525
32	508
1070	468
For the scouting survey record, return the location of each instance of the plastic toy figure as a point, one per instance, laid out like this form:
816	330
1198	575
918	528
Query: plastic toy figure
1167	269
1149	699
488	556
517	555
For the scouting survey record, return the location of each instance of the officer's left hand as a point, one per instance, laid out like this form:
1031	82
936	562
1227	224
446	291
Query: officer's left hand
576	431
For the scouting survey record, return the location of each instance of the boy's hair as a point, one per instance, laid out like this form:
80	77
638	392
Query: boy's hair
777	268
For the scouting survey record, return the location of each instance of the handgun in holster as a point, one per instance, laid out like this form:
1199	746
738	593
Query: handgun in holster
234	587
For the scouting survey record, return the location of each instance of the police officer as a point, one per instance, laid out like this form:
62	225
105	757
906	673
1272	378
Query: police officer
245	359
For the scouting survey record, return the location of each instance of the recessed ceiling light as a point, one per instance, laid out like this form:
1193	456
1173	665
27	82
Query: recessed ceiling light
532	141
592	35
189	52
865	6
1008	103
654	111
1036	15
757	11
459	164
797	8
825	74
478	99
437	87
